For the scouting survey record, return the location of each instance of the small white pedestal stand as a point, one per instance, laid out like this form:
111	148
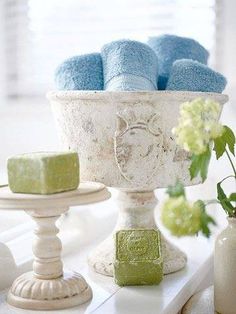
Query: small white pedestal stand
48	287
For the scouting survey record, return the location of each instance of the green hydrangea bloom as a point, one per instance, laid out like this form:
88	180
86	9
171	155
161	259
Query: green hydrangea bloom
198	125
181	217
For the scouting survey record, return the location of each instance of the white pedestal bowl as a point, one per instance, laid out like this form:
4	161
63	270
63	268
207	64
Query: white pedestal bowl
124	140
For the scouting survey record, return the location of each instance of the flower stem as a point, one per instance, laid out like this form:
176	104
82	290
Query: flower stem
231	162
209	202
3	185
231	176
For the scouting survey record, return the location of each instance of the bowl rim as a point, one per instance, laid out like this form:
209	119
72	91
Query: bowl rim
63	95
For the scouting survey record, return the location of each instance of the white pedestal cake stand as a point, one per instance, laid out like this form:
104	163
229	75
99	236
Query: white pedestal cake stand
48	287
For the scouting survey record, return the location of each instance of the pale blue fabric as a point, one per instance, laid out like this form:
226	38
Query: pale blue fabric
170	48
83	72
189	75
129	82
129	65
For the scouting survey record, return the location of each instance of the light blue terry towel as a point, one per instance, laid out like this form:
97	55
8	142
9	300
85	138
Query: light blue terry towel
129	65
189	75
83	72
170	48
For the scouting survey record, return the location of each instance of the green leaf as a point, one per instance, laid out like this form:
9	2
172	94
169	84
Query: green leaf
219	146
205	220
200	165
224	201
201	204
227	138
232	197
194	168
176	190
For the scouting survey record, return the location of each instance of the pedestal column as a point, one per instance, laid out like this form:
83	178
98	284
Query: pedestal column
48	287
47	249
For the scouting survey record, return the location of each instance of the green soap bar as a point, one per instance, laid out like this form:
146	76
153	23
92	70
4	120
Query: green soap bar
138	259
43	173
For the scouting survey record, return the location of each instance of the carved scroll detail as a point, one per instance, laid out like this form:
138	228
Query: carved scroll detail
138	143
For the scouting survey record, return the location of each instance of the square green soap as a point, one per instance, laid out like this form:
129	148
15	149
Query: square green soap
138	259
43	172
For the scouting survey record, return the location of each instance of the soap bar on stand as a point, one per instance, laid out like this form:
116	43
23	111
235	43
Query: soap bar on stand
43	173
138	259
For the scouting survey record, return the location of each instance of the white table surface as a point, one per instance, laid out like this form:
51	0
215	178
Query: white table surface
201	302
93	225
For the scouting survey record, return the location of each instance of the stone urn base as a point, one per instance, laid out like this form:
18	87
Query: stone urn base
136	211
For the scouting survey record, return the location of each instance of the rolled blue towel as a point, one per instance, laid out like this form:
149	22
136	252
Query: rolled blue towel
83	72
170	48
189	75
129	65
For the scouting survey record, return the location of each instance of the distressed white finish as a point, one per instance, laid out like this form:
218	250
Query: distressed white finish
48	286
224	269
124	140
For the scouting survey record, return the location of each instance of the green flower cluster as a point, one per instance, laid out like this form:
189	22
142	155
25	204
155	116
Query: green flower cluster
181	217
198	125
197	132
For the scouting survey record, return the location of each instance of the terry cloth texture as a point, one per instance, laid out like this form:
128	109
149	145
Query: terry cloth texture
189	75
129	65
170	48
83	72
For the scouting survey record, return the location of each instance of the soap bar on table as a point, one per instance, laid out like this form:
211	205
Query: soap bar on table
43	173
138	259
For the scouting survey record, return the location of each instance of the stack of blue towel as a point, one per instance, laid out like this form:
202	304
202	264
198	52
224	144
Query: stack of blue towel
166	62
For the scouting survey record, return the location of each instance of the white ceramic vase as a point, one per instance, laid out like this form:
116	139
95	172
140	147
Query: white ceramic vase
124	140
225	270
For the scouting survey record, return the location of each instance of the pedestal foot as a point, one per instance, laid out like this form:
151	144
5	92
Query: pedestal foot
174	258
29	292
101	259
136	211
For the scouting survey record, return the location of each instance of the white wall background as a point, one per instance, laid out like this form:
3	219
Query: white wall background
2	55
226	44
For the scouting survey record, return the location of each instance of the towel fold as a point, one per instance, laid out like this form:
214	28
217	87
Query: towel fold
189	75
83	72
170	48
129	65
